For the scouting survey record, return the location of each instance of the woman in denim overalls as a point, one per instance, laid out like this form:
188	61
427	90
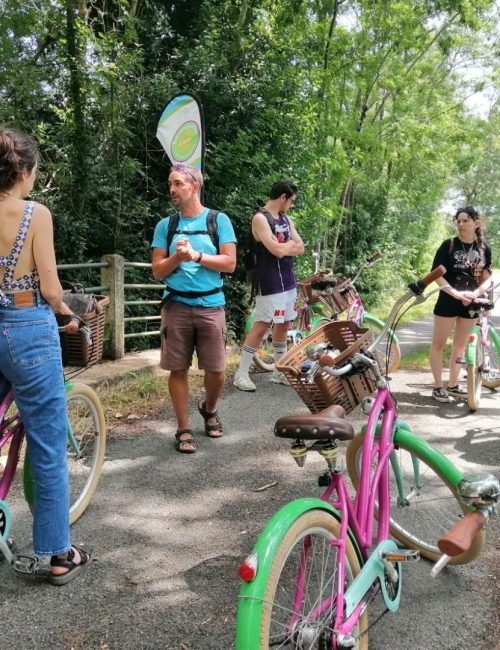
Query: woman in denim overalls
30	353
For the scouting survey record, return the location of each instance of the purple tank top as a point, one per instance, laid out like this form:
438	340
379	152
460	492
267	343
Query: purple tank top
275	275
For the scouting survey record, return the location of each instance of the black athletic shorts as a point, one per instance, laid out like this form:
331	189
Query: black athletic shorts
450	307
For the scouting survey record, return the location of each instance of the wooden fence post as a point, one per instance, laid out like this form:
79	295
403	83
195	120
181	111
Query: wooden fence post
112	275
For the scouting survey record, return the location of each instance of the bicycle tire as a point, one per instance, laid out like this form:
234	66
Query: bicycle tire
435	510
319	527
264	357
381	349
492	379
86	418
474	377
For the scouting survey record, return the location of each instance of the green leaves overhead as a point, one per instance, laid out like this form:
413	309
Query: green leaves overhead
363	103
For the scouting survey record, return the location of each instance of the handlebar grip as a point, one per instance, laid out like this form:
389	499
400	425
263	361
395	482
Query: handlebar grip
433	275
459	538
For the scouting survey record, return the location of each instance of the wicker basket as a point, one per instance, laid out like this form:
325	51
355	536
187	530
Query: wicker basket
345	295
312	296
336	299
75	349
326	389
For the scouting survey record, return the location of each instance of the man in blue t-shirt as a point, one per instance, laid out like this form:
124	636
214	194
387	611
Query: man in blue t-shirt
193	314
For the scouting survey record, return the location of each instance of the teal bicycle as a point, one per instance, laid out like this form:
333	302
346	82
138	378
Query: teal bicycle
482	354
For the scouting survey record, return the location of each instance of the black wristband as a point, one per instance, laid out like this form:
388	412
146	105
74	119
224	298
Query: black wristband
199	259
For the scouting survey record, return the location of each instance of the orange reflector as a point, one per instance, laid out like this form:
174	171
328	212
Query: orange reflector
248	568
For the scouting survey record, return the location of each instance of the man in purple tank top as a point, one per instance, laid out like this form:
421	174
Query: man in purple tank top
276	244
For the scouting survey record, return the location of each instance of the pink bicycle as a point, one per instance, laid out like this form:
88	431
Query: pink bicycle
320	561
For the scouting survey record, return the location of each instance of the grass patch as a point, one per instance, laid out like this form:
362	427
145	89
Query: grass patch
145	394
418	312
419	360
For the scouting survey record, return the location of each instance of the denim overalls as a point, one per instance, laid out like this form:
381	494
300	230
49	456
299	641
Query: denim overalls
30	362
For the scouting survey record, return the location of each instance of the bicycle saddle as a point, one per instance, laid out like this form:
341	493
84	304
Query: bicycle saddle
328	424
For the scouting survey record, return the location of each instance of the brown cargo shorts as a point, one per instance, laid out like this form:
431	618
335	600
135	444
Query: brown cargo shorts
185	329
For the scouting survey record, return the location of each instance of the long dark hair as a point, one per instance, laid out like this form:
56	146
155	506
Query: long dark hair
476	217
18	153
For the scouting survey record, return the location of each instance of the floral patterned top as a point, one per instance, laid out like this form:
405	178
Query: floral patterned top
27	281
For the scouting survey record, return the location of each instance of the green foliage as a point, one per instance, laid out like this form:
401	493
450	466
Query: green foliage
360	102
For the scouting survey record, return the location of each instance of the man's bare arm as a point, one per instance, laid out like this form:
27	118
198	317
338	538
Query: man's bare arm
262	232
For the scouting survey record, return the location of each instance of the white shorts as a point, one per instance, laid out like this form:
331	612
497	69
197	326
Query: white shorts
276	307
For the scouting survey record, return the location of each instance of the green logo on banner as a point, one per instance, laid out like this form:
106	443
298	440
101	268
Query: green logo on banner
185	141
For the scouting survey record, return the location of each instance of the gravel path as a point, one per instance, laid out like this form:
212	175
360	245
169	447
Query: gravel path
170	530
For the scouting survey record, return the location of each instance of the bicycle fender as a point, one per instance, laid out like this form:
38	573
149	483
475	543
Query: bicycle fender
380	323
470	350
452	474
404	435
251	594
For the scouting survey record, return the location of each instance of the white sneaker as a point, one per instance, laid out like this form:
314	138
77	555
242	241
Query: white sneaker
243	382
279	378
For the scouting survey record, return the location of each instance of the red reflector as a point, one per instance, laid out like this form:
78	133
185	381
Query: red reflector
308	328
248	569
248	312
472	338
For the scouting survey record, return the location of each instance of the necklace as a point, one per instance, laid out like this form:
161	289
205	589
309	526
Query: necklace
467	253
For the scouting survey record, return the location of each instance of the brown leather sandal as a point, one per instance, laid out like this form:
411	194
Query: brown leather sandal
184	441
211	430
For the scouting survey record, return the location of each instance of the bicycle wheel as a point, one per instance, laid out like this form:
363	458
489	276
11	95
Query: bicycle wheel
381	349
306	552
474	377
491	379
86	446
430	505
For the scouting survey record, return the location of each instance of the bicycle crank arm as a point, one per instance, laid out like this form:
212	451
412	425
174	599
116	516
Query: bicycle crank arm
5	551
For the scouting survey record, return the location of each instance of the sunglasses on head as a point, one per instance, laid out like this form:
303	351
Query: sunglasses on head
185	170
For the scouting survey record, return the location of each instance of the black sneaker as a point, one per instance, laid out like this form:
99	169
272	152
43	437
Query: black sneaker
440	395
457	391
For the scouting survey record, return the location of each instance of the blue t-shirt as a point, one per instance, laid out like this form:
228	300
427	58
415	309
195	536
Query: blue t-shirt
191	276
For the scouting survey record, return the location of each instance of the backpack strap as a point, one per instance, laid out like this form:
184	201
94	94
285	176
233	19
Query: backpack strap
211	230
270	220
173	222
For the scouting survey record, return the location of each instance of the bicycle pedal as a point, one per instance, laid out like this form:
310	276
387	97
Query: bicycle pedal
401	555
26	564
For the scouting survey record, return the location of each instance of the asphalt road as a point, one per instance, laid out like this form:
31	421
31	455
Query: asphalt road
171	529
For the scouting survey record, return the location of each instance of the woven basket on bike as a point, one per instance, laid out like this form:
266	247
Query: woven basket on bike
326	389
345	295
314	296
336	298
76	351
